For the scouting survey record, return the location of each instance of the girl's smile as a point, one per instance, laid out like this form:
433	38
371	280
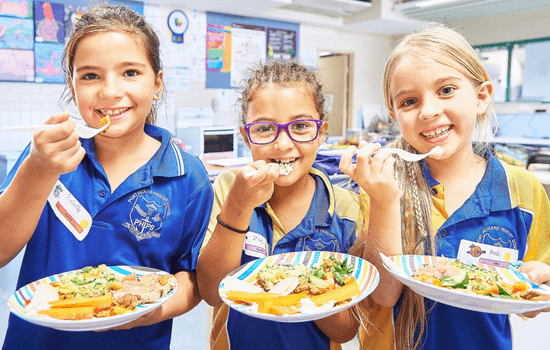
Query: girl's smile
113	76
435	104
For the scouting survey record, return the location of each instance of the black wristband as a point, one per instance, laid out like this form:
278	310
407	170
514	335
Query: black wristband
231	228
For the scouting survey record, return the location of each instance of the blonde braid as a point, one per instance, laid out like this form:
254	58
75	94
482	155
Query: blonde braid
416	228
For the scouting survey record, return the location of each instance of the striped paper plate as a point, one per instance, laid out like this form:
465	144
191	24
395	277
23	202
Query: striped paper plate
21	298
403	267
366	276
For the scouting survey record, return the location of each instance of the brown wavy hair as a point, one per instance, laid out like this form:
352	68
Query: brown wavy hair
103	19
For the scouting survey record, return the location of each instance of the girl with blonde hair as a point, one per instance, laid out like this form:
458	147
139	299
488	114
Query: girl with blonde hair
439	93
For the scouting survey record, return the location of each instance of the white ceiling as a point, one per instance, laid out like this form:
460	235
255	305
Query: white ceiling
382	16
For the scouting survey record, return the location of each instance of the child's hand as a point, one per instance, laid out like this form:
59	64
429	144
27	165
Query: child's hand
57	150
373	173
538	272
256	189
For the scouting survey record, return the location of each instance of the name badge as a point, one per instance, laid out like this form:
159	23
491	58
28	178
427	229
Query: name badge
71	213
486	254
255	245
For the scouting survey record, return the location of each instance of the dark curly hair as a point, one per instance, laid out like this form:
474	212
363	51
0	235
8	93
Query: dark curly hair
284	74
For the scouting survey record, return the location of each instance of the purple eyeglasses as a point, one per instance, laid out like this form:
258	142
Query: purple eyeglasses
302	130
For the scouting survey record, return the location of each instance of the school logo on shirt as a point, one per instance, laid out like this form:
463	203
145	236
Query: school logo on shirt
324	240
147	214
498	236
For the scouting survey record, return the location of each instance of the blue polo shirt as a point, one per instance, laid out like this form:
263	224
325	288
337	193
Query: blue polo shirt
509	208
330	224
172	193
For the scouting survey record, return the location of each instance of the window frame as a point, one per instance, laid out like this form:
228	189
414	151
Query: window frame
509	46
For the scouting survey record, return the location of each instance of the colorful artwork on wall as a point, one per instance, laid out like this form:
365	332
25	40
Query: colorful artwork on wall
72	14
16	8
48	63
16	65
16	33
49	22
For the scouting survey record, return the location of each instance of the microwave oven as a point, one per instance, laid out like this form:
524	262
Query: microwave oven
203	141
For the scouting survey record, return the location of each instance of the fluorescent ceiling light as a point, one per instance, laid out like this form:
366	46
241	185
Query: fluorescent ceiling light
431	3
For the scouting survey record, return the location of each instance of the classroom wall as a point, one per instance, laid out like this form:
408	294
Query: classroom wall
31	103
510	27
370	53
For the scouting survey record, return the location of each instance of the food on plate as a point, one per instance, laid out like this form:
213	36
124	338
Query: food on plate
97	292
291	289
105	120
337	295
472	279
74	313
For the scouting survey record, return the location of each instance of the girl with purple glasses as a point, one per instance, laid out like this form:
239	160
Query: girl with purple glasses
282	202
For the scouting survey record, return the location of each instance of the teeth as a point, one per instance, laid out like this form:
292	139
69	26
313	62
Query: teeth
113	112
436	132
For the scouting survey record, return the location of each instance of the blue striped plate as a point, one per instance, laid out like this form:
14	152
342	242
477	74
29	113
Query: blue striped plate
366	276
21	298
403	267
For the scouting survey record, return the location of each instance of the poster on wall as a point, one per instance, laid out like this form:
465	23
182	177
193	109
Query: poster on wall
16	8
72	14
48	63
248	44
281	44
220	72
16	33
16	65
49	22
218	48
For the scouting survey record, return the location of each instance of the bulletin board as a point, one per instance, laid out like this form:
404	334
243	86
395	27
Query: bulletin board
32	36
234	43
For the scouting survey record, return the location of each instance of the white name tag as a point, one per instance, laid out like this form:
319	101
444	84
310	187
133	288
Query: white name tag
71	213
255	245
486	254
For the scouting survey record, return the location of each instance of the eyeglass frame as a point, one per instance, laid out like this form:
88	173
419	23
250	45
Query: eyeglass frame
284	127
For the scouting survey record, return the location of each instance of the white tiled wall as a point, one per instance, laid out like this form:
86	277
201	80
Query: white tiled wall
25	104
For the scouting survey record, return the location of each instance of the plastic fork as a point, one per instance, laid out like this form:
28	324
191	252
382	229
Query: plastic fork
412	157
83	131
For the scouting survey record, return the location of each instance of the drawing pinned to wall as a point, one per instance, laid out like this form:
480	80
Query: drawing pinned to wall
218	48
49	22
281	44
16	8
248	45
16	65
72	14
16	33
48	63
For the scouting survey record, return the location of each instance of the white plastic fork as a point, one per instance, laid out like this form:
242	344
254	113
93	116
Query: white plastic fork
83	131
412	157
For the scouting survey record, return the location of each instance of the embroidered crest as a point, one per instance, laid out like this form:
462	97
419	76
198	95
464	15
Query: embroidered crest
147	215
321	240
498	236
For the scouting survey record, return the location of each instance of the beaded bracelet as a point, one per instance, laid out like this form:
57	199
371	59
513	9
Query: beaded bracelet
231	228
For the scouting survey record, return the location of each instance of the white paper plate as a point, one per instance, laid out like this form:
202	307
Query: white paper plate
18	301
403	267
366	276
